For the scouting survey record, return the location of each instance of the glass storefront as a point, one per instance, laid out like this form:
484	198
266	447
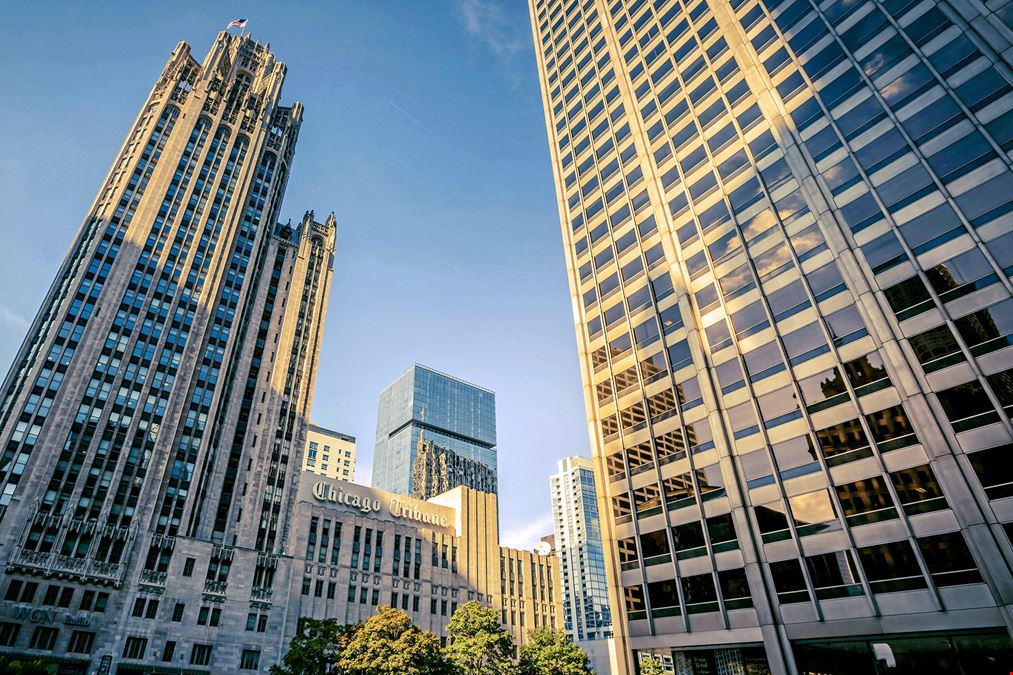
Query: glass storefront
732	661
956	654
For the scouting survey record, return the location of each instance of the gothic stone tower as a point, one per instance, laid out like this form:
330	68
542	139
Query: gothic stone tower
153	422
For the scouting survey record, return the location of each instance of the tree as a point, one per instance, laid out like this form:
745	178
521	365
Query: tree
476	643
651	666
549	652
317	646
388	643
16	665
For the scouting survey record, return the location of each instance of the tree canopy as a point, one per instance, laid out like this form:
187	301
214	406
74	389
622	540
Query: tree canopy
388	643
549	652
476	642
319	643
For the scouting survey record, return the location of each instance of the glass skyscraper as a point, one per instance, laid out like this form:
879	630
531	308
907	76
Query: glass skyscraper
434	432
788	230
587	617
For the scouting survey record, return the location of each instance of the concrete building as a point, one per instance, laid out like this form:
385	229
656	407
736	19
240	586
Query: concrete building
587	617
329	453
787	231
356	547
154	419
434	432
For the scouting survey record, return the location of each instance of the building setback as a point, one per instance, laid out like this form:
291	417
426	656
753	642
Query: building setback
788	230
434	432
329	453
577	541
154	420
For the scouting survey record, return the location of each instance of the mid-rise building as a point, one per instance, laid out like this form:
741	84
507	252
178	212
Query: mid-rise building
154	420
434	432
788	233
329	453
356	547
587	617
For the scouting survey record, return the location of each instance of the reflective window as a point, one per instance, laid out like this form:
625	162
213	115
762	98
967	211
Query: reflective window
813	512
994	470
654	543
918	490
891	567
843	442
949	559
789	582
689	538
866	501
663	594
700	594
967	406
834	575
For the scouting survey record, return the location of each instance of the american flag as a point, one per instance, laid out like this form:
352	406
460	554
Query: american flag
237	23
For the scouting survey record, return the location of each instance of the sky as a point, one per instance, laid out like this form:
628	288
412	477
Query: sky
423	132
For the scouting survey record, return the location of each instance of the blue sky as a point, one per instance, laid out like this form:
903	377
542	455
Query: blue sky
423	131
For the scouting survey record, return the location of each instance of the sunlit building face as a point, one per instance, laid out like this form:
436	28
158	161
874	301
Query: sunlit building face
788	230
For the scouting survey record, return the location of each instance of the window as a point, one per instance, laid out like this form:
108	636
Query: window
188	567
250	659
679	491
135	647
795	457
200	655
700	594
789	582
169	650
735	588
651	543
81	642
866	501
834	575
44	638
967	406
994	470
891	567
689	541
721	531
949	560
633	597
756	468
908	298
772	521
988	329
936	348
813	512
891	428
918	490
9	633
663	595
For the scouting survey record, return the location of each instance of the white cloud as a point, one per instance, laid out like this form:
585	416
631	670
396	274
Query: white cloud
13	320
487	21
526	536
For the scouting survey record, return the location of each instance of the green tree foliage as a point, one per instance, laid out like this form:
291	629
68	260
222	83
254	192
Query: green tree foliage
476	643
14	665
320	642
651	666
388	643
549	652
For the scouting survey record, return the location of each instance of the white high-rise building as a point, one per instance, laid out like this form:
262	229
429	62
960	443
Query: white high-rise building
586	615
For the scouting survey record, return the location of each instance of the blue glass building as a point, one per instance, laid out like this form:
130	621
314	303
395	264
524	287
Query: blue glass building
453	418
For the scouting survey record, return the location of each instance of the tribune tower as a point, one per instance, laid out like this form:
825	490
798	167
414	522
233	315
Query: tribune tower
154	419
